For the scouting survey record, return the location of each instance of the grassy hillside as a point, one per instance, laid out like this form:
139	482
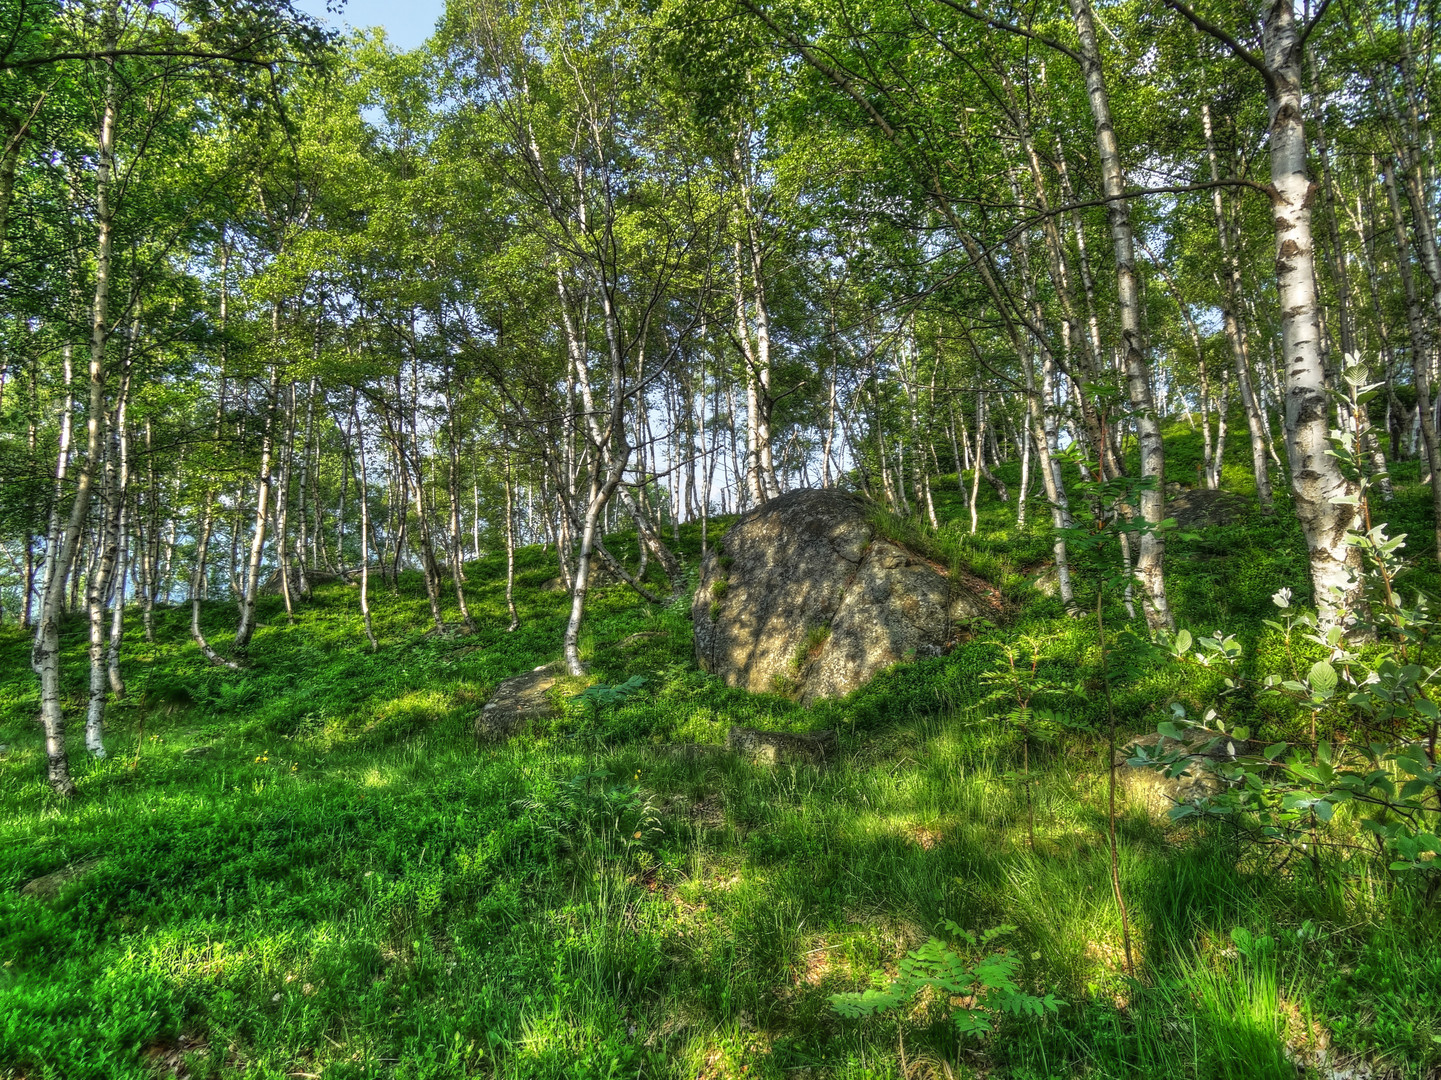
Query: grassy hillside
345	885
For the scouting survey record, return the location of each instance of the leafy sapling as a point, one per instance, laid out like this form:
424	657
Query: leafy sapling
988	988
1378	757
605	696
1020	695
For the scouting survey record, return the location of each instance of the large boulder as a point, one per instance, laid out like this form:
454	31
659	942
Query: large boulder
803	597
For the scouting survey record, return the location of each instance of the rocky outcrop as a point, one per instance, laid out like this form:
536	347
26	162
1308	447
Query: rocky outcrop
803	597
50	886
517	701
271	586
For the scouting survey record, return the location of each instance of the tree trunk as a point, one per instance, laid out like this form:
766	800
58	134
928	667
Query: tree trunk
97	585
363	496
45	658
1316	480
251	584
510	545
1151	554
282	507
1420	352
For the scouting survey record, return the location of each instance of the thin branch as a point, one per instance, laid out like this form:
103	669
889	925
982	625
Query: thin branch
1240	51
1020	31
117	54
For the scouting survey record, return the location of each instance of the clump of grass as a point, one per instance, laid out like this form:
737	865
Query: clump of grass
809	647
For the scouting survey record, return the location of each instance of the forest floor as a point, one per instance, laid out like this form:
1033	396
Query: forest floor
310	869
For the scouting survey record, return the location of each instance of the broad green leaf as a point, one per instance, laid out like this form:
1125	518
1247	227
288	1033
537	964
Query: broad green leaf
1323	677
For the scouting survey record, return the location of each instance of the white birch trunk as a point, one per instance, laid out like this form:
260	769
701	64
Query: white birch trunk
251	585
1150	561
45	658
1316	480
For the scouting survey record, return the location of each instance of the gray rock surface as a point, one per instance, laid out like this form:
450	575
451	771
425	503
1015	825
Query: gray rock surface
1158	792
518	700
50	886
782	747
1198	508
802	597
1048	581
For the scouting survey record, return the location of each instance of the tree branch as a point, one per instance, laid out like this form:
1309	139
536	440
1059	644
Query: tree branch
116	54
1240	51
1020	31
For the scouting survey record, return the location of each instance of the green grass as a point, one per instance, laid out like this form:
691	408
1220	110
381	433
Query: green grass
347	886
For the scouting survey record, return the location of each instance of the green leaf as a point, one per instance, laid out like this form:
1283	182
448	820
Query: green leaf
872	1001
1183	641
1322	677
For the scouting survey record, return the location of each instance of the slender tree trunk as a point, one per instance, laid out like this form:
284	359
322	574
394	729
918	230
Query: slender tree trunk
1151	555
601	490
363	497
102	575
1316	480
306	538
282	507
457	554
510	545
198	583
45	658
246	628
1025	485
1420	352
123	531
976	472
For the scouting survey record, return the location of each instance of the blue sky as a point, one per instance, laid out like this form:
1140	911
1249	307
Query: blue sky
407	22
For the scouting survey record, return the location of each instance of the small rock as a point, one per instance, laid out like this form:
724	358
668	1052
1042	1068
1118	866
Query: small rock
49	886
1200	508
4	750
1159	792
781	747
198	751
691	751
517	700
1048	581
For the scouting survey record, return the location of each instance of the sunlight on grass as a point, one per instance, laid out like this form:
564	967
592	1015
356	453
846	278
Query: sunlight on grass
341	882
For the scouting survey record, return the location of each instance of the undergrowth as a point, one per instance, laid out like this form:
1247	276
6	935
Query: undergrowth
311	868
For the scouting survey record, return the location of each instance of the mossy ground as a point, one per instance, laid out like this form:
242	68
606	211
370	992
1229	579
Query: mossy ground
347	886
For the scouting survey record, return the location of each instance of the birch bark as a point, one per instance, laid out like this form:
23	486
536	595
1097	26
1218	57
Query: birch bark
45	658
1316	480
1150	561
